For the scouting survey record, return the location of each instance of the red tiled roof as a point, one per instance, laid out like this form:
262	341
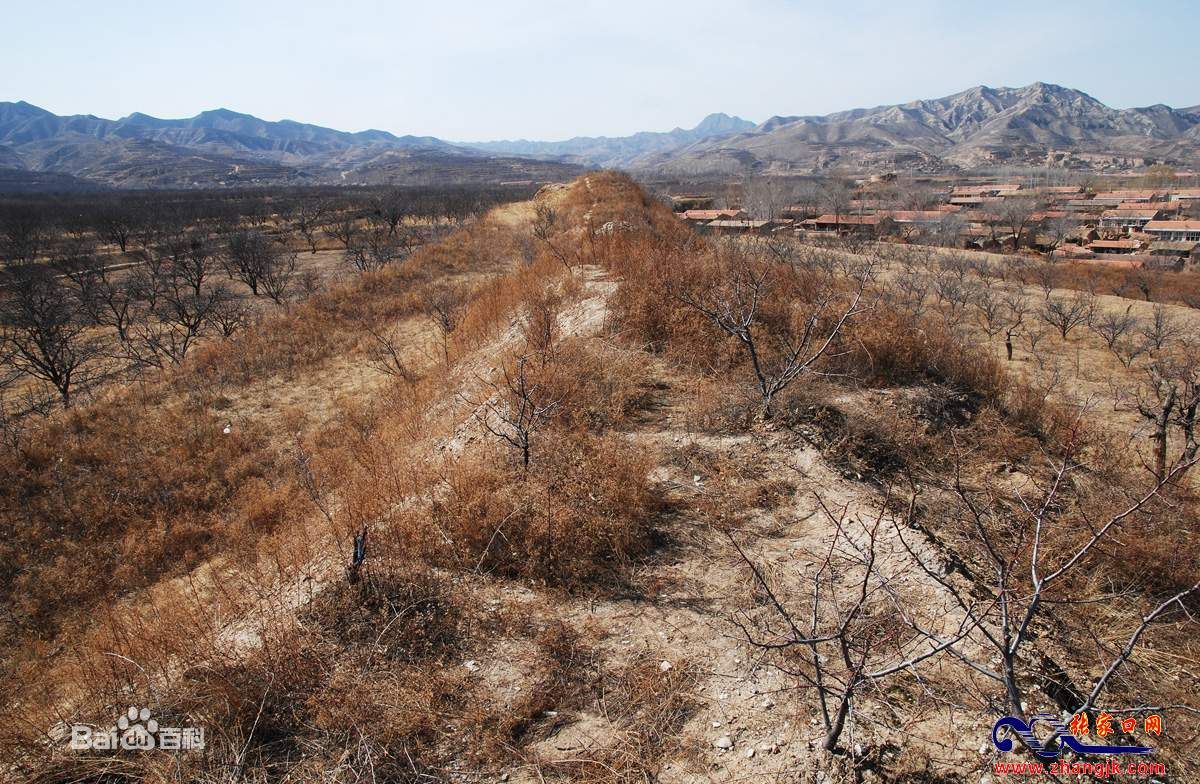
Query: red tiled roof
1173	225
1166	206
915	216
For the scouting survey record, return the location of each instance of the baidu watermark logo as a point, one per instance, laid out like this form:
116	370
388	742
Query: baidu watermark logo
136	731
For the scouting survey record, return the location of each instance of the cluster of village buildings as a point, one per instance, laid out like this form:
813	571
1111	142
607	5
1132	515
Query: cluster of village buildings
1135	227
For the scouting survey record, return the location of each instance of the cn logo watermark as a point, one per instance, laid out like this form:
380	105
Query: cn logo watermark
135	730
1063	736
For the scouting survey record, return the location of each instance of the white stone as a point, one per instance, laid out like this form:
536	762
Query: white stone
724	742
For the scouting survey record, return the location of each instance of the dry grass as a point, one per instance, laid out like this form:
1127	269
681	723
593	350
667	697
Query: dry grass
582	511
230	549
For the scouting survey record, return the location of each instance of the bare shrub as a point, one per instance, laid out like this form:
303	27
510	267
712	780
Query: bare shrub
580	514
1066	313
44	332
784	322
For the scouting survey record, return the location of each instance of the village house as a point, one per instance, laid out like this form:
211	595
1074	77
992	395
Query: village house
1179	251
1174	230
924	217
1114	246
859	224
704	216
1072	252
1128	219
1164	207
1047	215
1088	205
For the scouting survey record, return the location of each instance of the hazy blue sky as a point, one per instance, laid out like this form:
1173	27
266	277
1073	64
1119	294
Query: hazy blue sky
548	70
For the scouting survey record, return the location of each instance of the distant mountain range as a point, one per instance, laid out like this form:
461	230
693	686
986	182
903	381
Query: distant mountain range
224	148
620	151
1041	124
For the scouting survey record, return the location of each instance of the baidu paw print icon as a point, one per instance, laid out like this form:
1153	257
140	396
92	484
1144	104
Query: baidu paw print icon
137	729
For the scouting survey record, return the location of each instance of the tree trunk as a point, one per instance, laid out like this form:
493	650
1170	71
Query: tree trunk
839	723
1161	428
1010	686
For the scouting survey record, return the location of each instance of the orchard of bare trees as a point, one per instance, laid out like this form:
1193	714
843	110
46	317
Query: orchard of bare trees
99	286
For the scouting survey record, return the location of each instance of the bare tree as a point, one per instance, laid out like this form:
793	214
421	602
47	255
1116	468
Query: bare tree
229	314
44	331
343	228
1034	334
377	247
25	235
1168	399
1067	313
445	311
262	264
1112	326
1127	350
841	639
1016	215
110	298
782	345
1161	329
1057	230
1026	556
947	231
1141	280
990	310
390	210
1016	307
308	218
834	198
1046	276
387	356
519	406
764	197
277	277
913	286
190	259
951	291
545	228
115	224
179	319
